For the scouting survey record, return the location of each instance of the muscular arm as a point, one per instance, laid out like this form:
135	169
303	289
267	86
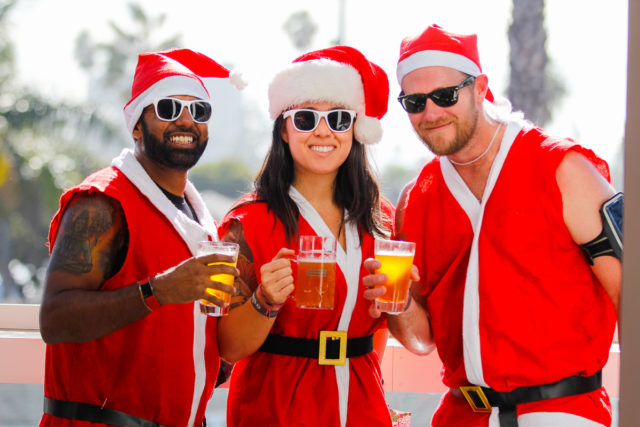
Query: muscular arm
244	330
583	191
89	249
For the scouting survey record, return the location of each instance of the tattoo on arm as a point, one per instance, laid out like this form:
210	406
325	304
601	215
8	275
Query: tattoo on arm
92	235
247	282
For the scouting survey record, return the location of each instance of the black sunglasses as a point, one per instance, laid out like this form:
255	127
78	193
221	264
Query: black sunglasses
169	109
306	120
443	97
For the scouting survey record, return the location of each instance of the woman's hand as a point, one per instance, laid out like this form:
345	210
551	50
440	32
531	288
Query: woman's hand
277	277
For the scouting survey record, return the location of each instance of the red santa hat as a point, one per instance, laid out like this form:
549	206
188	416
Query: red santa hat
170	73
340	75
437	47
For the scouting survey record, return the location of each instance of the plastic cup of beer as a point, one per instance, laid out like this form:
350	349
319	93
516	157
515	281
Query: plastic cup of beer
316	278
396	259
207	247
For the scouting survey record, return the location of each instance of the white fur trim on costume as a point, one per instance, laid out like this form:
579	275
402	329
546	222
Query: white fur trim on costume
170	86
433	58
191	232
349	262
472	349
542	419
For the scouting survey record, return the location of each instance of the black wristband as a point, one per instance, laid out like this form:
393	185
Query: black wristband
146	293
265	311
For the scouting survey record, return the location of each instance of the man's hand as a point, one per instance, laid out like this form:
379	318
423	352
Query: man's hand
375	283
189	280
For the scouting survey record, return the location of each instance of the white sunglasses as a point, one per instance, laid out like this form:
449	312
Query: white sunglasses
307	120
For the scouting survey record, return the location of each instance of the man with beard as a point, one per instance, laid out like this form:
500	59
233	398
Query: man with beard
126	342
519	241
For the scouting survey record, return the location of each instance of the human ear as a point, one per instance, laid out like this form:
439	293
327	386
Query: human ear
283	132
137	131
482	86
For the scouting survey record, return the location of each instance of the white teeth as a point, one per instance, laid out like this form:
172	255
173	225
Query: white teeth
322	148
183	140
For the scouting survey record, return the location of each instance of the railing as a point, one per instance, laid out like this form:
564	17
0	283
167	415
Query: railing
22	358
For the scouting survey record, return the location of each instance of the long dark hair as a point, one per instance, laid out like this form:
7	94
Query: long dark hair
355	190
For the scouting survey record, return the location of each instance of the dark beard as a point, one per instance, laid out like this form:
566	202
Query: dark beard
161	152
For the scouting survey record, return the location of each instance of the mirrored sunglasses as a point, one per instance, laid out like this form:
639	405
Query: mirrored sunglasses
305	120
443	97
169	109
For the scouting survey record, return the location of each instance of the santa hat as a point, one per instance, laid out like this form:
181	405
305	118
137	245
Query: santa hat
340	75
437	47
170	73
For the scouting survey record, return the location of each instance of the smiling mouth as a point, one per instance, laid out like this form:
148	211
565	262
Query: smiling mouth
181	140
322	148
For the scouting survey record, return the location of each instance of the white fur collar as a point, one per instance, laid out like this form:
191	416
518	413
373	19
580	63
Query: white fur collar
190	231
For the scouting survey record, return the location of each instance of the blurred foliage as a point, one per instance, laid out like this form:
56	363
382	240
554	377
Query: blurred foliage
229	177
534	87
47	146
395	178
41	152
110	65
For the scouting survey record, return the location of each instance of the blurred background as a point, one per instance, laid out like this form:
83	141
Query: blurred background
66	69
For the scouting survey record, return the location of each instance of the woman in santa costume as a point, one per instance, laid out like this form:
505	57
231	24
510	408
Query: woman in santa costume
315	180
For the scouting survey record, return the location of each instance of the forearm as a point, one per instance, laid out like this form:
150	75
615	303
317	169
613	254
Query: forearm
242	332
412	329
80	315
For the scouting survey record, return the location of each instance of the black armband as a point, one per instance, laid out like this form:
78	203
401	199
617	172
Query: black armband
609	241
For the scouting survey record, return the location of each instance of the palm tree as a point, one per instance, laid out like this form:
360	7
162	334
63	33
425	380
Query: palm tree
532	88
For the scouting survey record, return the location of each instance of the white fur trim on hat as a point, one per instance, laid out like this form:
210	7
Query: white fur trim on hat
170	86
316	81
325	80
432	58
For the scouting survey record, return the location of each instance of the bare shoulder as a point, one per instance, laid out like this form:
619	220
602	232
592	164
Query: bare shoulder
92	238
577	174
402	204
583	191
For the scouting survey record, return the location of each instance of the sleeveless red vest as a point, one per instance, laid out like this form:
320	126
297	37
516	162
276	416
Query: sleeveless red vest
147	368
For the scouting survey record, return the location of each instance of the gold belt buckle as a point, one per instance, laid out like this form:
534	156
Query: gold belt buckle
467	390
322	351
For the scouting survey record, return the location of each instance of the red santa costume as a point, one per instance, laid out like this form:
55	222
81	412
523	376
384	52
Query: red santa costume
273	389
163	367
511	298
277	389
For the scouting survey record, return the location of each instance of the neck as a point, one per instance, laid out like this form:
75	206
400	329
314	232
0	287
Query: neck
172	180
482	149
318	190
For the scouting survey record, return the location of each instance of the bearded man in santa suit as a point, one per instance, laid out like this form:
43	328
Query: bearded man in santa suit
518	237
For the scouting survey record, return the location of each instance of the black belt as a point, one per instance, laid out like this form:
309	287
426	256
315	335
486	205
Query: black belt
481	399
93	413
332	348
